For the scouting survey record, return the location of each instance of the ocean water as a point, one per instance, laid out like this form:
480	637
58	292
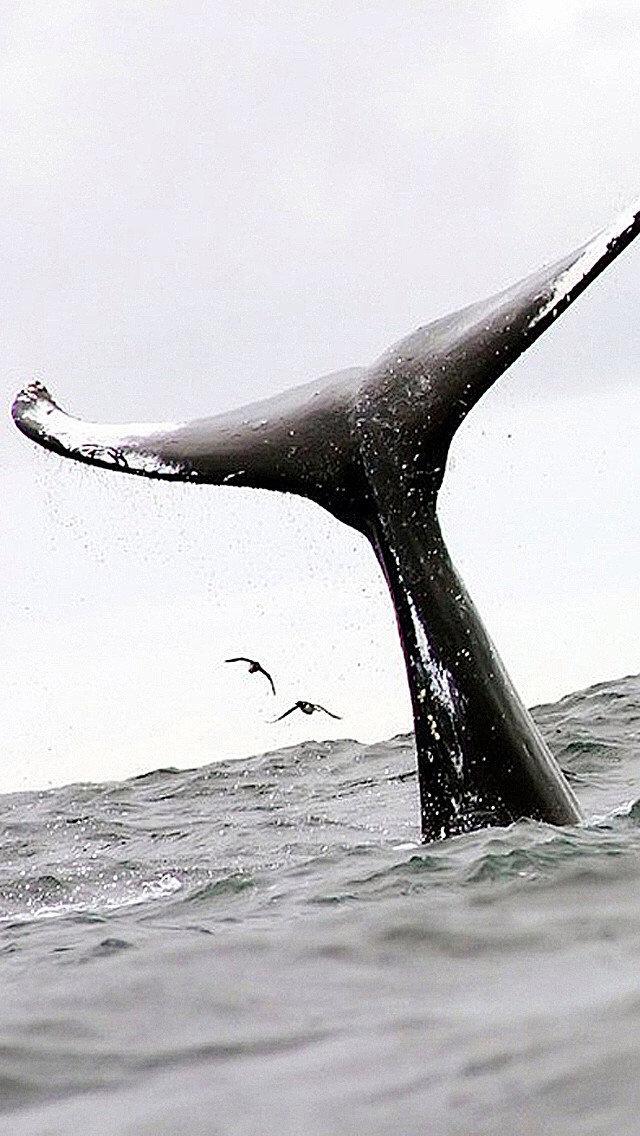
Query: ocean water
263	947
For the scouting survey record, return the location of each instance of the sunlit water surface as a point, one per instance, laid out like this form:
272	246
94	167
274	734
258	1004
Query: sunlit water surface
263	947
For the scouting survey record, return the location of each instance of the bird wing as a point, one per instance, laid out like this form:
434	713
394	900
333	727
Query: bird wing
289	711
316	706
268	676
239	659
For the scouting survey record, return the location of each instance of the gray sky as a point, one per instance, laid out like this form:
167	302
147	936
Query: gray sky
206	203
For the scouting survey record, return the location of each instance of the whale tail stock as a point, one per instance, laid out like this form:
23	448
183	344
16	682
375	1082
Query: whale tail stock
370	445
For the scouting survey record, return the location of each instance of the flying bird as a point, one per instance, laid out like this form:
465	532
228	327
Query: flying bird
306	708
254	668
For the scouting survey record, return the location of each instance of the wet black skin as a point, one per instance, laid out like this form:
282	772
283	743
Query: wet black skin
370	445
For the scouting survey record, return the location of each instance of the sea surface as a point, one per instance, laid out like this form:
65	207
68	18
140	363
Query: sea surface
263	947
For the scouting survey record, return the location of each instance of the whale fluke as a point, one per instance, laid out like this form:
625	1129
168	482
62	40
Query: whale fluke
370	445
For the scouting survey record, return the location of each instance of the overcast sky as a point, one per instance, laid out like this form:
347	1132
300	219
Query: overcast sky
205	203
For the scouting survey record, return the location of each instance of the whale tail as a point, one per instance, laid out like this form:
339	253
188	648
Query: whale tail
370	445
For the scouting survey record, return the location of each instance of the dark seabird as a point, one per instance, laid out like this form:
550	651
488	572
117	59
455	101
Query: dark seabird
254	667
307	708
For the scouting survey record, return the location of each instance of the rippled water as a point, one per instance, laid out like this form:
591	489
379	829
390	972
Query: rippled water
263	947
